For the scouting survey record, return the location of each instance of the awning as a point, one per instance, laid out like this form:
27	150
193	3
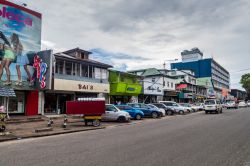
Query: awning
7	92
181	86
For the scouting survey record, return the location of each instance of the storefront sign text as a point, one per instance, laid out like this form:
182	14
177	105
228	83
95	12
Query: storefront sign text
85	87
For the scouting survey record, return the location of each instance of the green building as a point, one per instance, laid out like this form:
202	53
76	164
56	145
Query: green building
124	87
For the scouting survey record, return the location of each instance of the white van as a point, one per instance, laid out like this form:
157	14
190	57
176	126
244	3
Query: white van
212	105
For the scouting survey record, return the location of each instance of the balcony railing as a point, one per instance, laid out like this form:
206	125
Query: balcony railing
78	78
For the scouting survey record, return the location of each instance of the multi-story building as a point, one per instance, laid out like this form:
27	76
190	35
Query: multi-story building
157	85
75	76
205	68
239	94
124	87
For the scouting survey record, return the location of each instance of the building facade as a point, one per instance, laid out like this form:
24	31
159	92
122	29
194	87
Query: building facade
124	87
75	76
205	68
239	94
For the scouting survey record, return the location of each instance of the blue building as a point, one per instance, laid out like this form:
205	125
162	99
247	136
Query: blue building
204	68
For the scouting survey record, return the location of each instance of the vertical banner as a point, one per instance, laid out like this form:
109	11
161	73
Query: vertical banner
20	46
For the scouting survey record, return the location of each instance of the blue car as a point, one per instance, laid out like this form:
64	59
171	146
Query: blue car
149	112
134	113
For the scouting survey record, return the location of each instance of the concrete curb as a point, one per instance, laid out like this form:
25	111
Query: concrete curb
50	134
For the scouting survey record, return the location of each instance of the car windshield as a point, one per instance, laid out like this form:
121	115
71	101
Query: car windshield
111	108
150	106
230	102
159	105
209	102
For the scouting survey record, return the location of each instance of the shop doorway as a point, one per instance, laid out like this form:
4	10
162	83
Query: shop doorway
62	102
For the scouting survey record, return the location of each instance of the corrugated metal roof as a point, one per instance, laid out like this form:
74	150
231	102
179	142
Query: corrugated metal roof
7	92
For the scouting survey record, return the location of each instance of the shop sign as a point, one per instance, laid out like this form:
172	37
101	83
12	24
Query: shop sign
130	89
80	86
85	87
41	69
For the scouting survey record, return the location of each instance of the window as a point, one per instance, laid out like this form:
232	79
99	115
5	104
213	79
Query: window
172	85
59	66
84	70
168	84
153	79
76	70
97	73
104	74
68	68
91	72
110	108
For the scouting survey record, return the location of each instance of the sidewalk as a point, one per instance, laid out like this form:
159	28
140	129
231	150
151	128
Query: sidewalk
27	127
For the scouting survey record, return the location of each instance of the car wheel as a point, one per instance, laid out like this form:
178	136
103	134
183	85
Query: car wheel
138	117
181	112
169	112
121	119
154	115
96	123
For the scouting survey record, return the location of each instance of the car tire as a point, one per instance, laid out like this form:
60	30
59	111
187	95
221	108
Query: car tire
168	112
138	117
121	119
96	122
181	112
154	115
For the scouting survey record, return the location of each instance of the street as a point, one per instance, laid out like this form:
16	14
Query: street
191	140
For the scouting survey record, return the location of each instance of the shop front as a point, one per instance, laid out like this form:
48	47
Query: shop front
69	90
124	93
124	87
170	95
28	72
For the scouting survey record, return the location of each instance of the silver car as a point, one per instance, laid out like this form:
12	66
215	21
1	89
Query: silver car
178	108
112	113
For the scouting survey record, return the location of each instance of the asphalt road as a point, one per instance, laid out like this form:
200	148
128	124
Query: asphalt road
190	140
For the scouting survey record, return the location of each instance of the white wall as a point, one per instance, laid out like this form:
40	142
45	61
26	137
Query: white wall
168	84
153	85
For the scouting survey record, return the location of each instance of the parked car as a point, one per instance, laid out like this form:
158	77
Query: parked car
160	109
134	113
112	113
149	112
248	103
231	104
212	105
178	108
168	111
187	106
198	106
242	104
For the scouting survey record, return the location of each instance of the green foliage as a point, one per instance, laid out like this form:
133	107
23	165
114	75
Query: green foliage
245	81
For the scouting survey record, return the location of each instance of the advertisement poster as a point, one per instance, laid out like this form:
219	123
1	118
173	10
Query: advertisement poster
20	41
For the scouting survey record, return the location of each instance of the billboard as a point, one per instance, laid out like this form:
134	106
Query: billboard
20	46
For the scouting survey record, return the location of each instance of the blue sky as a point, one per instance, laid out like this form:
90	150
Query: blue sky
134	34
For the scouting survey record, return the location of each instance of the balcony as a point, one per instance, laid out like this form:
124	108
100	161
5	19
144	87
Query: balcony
78	78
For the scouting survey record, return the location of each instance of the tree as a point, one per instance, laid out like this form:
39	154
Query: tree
245	81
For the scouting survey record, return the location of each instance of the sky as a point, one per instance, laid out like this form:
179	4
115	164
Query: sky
136	34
